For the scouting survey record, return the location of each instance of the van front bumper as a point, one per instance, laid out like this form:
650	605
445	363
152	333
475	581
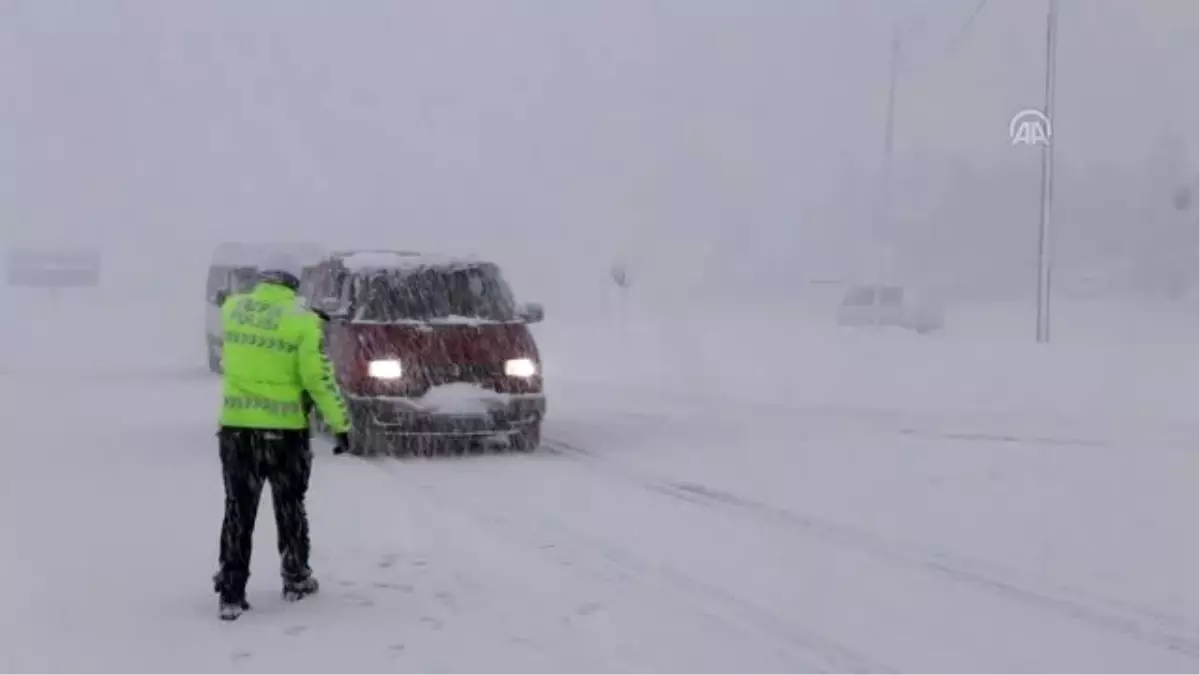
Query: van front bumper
399	416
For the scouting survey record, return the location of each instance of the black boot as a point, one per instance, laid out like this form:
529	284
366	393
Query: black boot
231	607
231	602
296	589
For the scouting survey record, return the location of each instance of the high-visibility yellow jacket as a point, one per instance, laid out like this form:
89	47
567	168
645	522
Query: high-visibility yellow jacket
274	352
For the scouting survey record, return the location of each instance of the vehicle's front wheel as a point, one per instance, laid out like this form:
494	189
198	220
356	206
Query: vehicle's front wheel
214	360
361	442
528	438
361	436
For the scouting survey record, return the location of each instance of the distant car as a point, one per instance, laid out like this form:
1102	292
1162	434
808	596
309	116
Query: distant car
878	305
432	353
234	269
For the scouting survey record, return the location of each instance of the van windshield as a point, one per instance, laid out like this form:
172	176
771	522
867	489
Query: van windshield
476	292
891	296
862	295
242	279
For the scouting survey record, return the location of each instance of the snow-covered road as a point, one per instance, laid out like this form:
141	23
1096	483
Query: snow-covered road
667	525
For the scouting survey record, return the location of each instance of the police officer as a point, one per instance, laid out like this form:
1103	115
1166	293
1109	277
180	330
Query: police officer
275	370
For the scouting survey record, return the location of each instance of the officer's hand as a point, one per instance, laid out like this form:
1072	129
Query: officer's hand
341	443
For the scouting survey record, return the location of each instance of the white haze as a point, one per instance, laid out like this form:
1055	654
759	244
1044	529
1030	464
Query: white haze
729	480
729	150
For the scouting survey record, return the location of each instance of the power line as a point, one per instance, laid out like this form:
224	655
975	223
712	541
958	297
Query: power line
960	36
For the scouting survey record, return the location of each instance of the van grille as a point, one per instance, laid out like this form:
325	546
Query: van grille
433	375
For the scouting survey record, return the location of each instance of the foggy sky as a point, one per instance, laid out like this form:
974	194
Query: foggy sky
557	133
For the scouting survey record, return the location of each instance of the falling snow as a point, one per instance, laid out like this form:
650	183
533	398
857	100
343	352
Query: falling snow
812	498
670	345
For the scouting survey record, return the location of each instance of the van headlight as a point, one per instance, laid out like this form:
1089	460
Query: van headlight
520	367
385	369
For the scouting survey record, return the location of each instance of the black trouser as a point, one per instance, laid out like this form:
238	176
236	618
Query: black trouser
248	457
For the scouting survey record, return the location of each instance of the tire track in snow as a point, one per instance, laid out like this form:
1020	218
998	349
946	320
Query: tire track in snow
1140	623
834	657
974	426
605	560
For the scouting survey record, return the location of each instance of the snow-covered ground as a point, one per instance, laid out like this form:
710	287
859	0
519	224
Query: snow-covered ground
753	492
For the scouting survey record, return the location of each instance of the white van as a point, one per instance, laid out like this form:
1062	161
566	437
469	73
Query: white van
234	269
895	306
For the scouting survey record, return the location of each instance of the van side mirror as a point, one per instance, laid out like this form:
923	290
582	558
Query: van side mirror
221	296
331	314
532	312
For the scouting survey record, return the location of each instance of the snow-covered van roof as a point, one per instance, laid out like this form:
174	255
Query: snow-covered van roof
244	254
362	261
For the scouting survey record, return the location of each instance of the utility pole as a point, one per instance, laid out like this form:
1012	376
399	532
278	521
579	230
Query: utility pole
890	130
1044	224
883	200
